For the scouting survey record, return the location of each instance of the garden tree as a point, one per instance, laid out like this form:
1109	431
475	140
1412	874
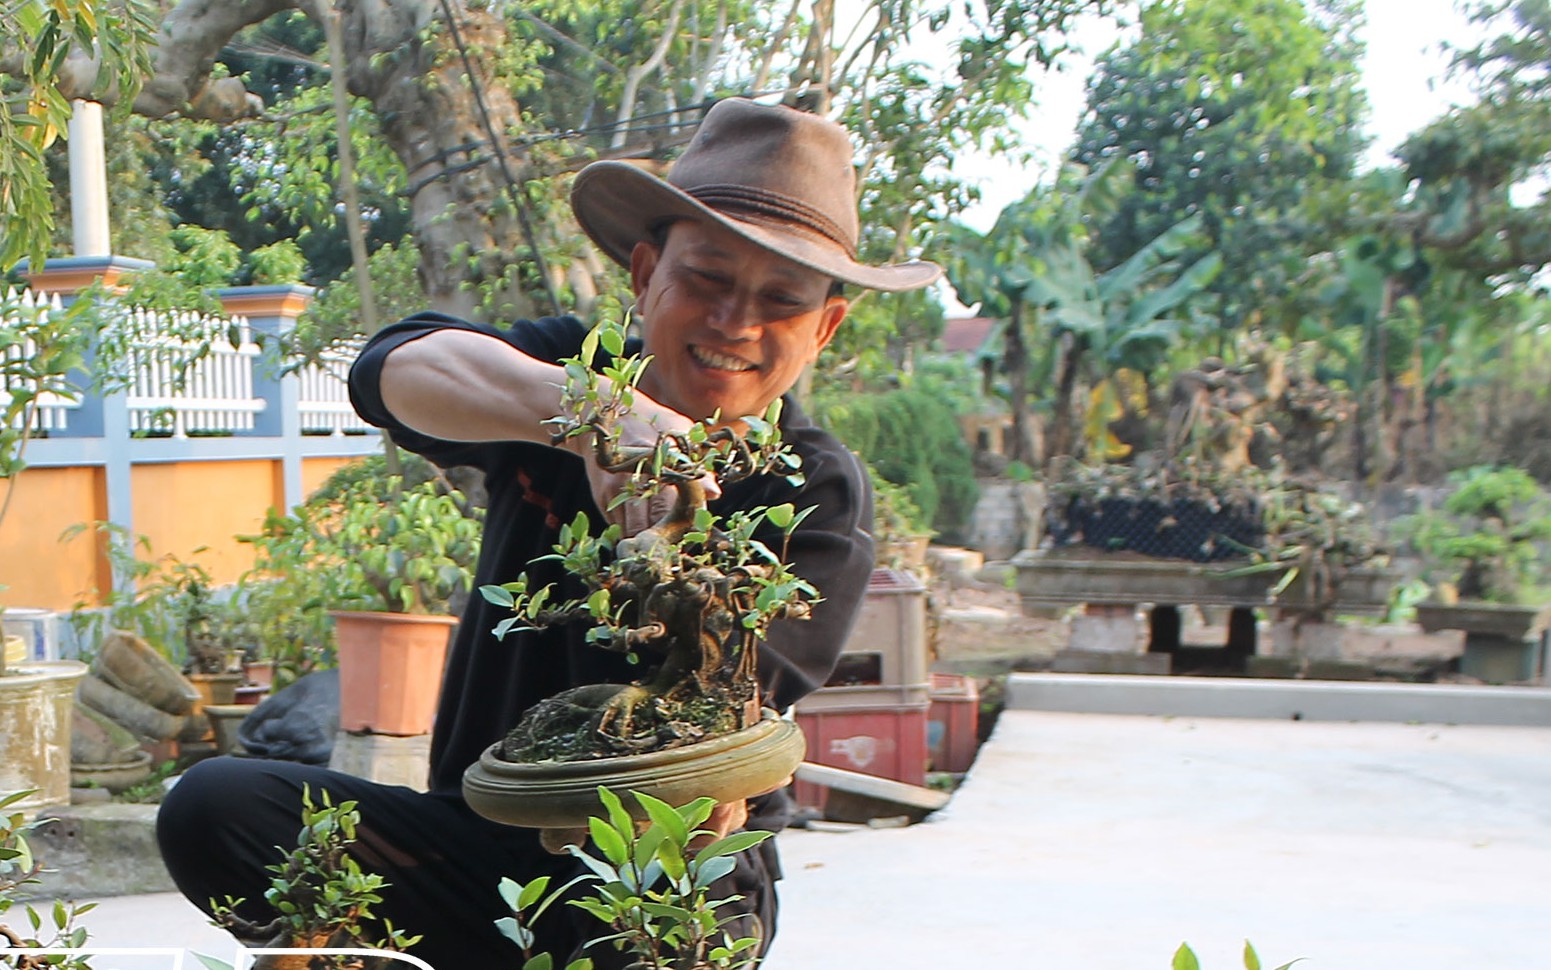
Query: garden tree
470	99
38	42
1434	259
1239	113
1033	271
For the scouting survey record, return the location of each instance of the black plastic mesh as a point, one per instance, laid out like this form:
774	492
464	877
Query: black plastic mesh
1178	528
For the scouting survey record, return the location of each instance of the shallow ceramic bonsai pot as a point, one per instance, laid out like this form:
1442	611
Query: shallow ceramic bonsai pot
557	794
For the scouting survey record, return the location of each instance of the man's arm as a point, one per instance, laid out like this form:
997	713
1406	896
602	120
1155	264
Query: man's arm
466	385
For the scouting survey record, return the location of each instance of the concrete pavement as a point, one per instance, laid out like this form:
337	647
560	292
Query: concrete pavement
1102	841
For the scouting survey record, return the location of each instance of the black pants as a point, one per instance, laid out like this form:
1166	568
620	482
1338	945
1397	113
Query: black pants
227	818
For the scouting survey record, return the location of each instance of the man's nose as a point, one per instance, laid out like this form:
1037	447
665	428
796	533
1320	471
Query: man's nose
734	316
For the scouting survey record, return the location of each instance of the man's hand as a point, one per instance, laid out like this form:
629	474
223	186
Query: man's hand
646	422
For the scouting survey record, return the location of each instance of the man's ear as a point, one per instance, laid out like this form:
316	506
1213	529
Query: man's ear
834	311
643	262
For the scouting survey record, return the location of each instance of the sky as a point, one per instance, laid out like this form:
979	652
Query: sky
1403	72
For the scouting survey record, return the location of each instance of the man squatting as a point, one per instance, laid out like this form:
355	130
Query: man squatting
737	260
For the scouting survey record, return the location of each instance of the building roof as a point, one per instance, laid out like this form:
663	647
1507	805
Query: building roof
966	335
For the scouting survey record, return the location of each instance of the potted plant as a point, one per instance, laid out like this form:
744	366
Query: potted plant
693	593
900	531
37	698
383	561
1487	575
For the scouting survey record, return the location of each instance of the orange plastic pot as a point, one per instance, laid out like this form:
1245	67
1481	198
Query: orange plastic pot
390	670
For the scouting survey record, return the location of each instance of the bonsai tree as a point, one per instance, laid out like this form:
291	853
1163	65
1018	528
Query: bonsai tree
320	895
692	593
20	869
1484	537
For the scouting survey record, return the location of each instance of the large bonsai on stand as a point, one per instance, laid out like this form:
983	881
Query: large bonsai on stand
690	597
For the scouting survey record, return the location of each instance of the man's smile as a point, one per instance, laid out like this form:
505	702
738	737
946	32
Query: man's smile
719	361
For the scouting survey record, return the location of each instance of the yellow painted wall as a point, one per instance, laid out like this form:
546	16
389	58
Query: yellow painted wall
315	471
178	506
181	506
39	569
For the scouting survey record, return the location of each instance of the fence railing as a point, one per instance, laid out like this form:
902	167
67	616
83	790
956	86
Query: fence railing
50	412
221	393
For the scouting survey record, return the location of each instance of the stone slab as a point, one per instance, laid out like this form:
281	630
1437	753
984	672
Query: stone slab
1108	634
1073	661
98	850
1291	699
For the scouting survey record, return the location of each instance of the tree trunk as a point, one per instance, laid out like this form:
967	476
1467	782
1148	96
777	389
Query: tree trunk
436	116
1015	361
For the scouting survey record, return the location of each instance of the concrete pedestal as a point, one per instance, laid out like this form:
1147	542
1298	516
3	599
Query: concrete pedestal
1108	628
384	758
1305	639
1501	660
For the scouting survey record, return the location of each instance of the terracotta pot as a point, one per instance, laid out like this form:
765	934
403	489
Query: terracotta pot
99	740
213	689
36	699
565	794
259	673
128	710
390	670
136	668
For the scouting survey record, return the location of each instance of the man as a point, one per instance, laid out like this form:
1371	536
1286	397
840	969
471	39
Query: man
736	261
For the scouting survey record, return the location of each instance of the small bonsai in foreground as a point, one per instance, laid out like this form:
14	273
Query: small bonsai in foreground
693	593
320	895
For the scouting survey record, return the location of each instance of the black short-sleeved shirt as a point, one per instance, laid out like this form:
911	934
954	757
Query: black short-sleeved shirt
534	489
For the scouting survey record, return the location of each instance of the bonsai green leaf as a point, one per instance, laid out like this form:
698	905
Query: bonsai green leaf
697	811
599	868
731	845
502	595
608	841
511	891
713	870
1251	958
664	816
541	961
781	516
613	340
616	809
515	931
1185	958
211	963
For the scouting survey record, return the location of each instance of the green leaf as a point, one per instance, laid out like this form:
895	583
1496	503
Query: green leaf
211	963
542	961
781	515
664	816
1185	958
608	841
732	844
1251	958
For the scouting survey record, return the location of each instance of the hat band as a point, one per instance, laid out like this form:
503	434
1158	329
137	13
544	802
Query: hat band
757	202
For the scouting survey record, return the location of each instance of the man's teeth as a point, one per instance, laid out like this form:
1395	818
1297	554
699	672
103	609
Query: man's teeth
711	358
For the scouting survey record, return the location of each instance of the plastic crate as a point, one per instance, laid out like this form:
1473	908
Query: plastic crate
883	662
886	742
953	722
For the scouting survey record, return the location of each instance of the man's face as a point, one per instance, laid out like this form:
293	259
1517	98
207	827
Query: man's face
730	324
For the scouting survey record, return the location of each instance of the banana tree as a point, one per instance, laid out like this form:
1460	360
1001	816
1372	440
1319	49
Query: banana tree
1032	270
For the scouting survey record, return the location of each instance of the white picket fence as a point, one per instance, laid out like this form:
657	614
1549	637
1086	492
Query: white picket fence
214	396
324	403
51	412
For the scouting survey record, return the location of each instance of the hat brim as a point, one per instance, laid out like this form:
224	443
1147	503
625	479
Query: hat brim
618	205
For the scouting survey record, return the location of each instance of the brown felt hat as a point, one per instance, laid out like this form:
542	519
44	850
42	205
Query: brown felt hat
779	177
